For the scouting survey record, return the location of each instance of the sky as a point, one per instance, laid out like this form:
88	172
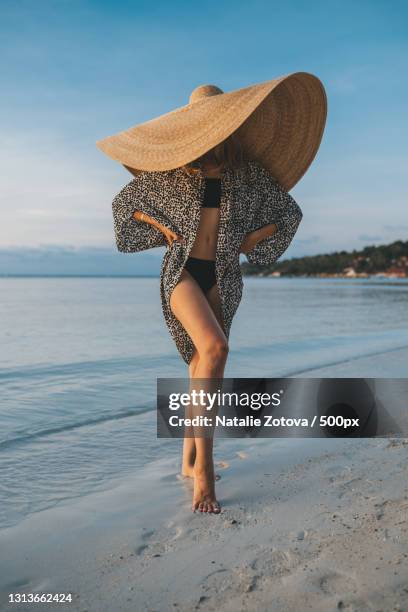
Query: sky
75	71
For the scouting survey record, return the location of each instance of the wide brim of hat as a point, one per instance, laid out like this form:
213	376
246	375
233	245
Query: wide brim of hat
280	123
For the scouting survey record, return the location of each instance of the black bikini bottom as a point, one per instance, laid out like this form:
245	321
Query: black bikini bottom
203	272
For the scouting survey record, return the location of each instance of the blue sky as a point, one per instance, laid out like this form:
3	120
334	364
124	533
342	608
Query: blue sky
76	71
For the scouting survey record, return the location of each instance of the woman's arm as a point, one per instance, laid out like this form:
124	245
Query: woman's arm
168	234
276	207
252	239
133	236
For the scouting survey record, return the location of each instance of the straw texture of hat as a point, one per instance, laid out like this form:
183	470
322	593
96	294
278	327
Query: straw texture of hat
280	123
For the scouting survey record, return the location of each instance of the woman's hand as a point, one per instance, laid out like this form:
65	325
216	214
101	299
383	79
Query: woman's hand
168	234
249	242
172	236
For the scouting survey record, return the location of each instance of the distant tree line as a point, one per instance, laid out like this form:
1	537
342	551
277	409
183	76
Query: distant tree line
370	260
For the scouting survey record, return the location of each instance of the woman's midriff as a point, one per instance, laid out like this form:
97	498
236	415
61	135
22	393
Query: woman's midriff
205	244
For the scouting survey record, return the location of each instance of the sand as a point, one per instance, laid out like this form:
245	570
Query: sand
314	524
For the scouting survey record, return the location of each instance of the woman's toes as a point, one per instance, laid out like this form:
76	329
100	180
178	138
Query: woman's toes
206	506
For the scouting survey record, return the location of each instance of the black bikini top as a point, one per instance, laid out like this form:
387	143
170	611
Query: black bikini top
212	193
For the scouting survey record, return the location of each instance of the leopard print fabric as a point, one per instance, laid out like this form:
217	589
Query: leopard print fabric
250	199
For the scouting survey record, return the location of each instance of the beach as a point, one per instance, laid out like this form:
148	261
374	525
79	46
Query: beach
92	502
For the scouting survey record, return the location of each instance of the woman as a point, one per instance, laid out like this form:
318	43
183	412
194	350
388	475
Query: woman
253	144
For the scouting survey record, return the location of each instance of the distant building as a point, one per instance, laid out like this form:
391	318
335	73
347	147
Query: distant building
349	272
396	272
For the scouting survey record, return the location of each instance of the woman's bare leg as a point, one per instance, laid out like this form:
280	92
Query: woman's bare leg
195	313
189	450
189	447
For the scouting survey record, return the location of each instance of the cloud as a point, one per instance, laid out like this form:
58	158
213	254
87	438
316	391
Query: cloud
51	194
310	240
396	228
369	238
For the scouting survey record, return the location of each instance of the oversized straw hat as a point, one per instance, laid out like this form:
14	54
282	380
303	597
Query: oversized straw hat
280	123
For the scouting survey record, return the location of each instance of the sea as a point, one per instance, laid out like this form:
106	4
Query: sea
80	357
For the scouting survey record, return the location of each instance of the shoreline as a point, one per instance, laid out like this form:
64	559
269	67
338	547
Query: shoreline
378	276
323	276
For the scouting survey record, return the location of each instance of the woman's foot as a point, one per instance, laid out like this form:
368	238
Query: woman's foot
204	498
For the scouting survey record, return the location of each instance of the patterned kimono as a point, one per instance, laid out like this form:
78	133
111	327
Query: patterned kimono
250	199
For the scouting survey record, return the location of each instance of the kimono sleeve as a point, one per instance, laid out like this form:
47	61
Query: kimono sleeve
276	206
131	235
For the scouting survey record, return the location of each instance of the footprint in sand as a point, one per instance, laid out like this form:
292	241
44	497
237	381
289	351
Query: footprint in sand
333	583
145	537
